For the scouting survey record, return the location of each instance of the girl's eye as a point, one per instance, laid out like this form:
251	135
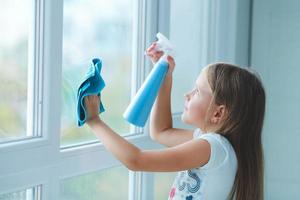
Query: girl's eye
195	91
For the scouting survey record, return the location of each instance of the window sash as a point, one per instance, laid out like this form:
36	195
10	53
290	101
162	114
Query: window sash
34	75
40	160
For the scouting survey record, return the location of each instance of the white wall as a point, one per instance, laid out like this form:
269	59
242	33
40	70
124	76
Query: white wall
275	55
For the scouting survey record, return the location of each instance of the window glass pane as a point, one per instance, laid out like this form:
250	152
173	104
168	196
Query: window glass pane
110	184
14	23
96	28
183	26
162	184
27	194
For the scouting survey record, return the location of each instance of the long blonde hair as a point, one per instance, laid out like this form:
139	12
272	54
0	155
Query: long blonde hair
242	93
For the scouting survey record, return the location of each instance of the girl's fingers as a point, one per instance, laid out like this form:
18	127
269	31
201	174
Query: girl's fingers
170	59
171	64
151	47
158	53
155	54
92	98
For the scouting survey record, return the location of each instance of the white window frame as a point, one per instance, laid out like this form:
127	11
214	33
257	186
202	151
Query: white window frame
40	160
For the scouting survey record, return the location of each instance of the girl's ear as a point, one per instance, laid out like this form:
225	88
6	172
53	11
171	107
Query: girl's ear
219	114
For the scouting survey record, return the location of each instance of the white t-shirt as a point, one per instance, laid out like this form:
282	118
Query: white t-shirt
214	180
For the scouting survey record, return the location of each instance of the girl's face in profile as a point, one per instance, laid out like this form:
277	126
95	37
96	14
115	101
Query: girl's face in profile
197	102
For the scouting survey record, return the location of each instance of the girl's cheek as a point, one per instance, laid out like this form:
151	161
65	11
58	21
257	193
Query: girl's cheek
193	114
195	111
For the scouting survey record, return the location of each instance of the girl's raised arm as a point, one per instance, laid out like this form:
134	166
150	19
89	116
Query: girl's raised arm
161	126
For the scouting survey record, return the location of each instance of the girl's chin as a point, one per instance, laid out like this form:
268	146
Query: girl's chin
184	118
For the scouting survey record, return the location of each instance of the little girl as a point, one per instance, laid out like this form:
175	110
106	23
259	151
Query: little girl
223	157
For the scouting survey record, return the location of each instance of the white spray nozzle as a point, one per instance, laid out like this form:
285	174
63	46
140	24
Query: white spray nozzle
163	44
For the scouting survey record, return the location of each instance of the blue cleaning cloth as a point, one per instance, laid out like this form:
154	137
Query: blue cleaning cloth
92	84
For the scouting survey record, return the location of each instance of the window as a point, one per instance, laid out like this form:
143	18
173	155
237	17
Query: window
14	44
44	52
101	29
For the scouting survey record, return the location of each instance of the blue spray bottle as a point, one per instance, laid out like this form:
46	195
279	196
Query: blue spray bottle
139	109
